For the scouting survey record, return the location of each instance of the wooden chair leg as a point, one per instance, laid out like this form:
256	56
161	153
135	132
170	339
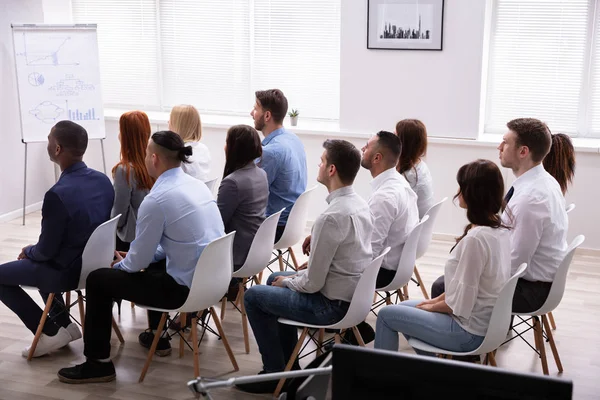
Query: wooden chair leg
552	344
38	332
388	299
293	258
157	335
491	359
182	323
132	304
223	307
337	339
195	346
224	339
320	342
551	317
400	295
239	297
405	291
358	336
290	363
538	331
421	284
68	299
280	260
245	324
81	311
260	275
117	330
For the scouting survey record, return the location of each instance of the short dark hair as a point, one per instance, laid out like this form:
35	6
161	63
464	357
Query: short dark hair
274	101
71	136
172	145
413	136
534	134
391	143
346	158
243	146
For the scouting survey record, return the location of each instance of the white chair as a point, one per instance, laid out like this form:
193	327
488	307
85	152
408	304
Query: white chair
425	241
256	261
294	228
211	280
358	310
557	291
405	266
211	185
496	332
98	253
570	208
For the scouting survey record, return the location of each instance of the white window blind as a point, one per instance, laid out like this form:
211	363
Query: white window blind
215	54
538	58
127	40
594	101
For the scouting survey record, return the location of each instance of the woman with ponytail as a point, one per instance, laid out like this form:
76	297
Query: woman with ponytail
478	267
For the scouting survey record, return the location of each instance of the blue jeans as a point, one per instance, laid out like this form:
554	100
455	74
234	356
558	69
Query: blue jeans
437	329
265	304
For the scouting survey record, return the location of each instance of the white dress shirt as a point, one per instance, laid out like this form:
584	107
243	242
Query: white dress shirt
176	221
476	272
421	182
199	165
340	248
394	213
539	224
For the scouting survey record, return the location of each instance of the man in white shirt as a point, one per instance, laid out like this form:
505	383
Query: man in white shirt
393	204
535	212
340	250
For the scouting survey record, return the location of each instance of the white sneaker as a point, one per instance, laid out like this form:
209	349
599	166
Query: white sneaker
74	331
46	344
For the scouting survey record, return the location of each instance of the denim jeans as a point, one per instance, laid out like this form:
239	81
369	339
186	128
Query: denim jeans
265	304
437	329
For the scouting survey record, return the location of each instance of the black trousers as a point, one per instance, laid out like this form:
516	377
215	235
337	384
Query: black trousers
121	245
279	232
384	277
152	287
529	296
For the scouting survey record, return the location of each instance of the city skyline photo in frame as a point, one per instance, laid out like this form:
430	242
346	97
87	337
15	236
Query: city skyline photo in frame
405	24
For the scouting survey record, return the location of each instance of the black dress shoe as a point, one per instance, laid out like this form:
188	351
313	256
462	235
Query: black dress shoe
88	372
162	349
261	387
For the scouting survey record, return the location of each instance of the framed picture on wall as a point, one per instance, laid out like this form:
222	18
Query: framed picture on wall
405	24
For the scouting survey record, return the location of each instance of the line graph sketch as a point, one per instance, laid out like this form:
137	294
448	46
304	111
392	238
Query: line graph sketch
49	52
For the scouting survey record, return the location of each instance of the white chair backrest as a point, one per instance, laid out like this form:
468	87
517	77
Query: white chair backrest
212	275
362	300
560	279
260	250
406	265
99	249
211	185
296	223
427	230
570	208
501	313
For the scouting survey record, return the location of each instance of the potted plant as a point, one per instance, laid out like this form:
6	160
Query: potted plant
294	116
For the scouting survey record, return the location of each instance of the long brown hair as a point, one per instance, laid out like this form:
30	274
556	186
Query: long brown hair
413	136
481	186
243	146
134	128
560	161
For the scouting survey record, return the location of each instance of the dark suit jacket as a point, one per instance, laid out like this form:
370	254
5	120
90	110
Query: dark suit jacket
77	204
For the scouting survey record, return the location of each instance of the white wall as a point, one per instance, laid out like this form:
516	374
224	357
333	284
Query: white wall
442	88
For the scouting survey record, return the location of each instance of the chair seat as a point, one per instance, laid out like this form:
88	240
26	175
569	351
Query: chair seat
417	344
179	310
305	325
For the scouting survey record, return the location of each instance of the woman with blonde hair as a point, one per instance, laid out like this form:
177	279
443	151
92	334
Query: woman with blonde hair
185	121
131	179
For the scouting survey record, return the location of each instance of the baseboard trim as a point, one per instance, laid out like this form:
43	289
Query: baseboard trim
19	212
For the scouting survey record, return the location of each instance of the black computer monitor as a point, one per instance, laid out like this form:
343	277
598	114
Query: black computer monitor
363	373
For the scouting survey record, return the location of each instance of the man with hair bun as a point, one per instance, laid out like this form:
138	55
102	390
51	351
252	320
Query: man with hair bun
176	221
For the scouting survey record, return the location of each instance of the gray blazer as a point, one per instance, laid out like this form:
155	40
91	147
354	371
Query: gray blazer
127	202
242	200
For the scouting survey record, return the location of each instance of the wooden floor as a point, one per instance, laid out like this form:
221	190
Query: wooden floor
577	338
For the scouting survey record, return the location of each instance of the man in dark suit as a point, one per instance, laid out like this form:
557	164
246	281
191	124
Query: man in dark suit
79	202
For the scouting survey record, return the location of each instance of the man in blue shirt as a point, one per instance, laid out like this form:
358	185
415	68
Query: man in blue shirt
176	221
283	158
77	204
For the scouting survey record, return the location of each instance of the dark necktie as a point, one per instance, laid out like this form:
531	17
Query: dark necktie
509	194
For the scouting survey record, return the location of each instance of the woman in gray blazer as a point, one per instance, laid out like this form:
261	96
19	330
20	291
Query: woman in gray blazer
244	190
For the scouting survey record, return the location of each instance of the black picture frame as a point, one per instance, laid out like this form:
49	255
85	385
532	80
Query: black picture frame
378	25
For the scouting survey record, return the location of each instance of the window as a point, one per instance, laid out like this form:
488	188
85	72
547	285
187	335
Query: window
544	64
215	54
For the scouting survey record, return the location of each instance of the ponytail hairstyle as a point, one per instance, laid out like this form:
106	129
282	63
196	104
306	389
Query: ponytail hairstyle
173	145
560	161
481	186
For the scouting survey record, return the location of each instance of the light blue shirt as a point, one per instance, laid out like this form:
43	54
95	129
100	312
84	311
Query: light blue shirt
284	161
176	221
